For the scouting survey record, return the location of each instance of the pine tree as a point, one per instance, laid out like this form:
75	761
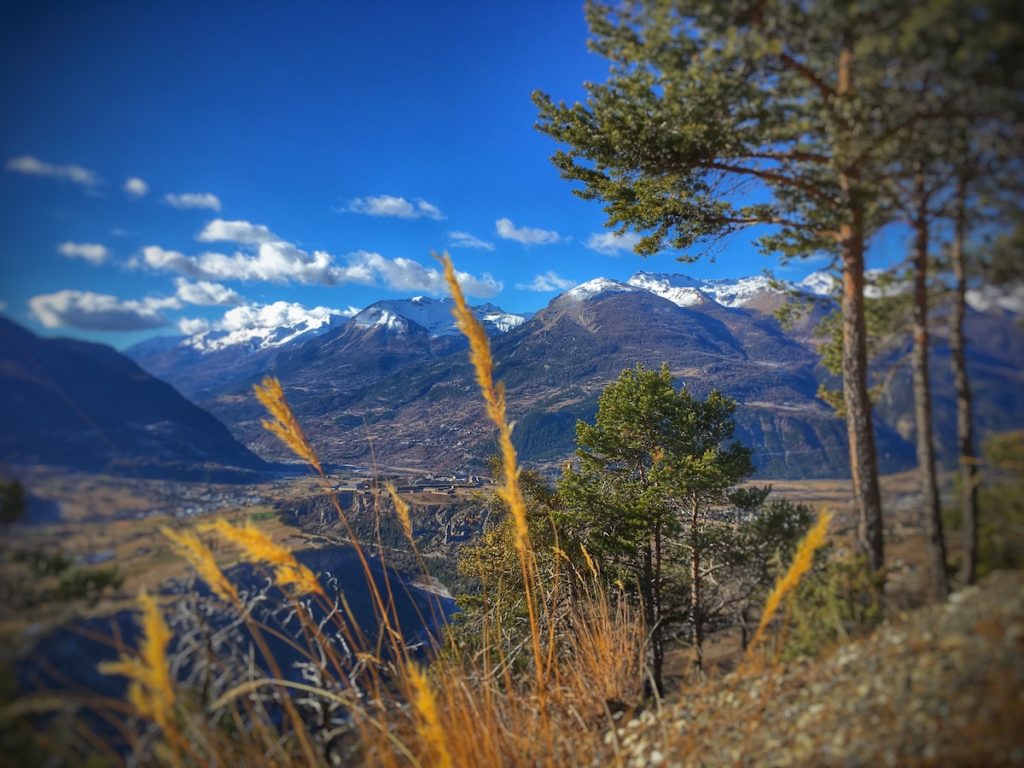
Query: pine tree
769	100
650	468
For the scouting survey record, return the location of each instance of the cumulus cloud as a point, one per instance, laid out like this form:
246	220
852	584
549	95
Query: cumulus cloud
94	253
33	166
399	207
89	311
466	240
223	231
206	200
547	282
206	294
408	275
170	261
525	235
278	262
136	187
193	326
611	244
266	258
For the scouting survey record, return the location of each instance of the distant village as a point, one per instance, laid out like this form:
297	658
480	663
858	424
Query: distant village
444	485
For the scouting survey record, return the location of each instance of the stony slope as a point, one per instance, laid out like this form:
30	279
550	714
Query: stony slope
940	686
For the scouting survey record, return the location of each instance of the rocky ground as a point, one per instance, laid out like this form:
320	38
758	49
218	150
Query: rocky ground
940	686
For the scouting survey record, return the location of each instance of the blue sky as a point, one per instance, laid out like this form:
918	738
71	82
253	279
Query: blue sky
309	153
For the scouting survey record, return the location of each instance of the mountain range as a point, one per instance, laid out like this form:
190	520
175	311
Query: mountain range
392	383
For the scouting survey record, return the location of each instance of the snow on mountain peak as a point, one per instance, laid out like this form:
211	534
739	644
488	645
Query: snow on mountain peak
686	291
435	315
377	316
820	283
597	286
989	297
679	289
259	326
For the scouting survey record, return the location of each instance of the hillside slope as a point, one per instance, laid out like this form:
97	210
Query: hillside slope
85	406
940	686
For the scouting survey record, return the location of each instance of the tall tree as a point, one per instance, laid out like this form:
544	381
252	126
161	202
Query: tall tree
650	468
762	99
950	68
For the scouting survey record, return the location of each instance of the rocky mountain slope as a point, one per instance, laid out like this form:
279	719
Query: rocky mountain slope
71	403
394	380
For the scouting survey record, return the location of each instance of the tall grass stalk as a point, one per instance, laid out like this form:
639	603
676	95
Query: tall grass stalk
509	490
802	562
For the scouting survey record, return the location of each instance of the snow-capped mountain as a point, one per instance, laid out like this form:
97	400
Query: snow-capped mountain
596	287
686	291
820	283
435	315
989	298
255	327
247	340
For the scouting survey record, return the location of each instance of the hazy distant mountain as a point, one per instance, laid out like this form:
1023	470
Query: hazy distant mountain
86	406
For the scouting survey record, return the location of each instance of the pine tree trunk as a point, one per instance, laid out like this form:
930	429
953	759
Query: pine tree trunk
939	585
656	651
696	619
856	401
964	406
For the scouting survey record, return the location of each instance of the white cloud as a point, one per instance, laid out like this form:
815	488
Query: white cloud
136	187
408	275
32	166
221	230
99	312
466	240
399	207
170	261
94	253
273	260
193	326
206	294
525	235
547	282
193	200
611	244
277	262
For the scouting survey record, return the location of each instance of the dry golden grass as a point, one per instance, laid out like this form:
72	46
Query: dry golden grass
802	562
402	510
467	709
150	692
190	546
257	547
282	421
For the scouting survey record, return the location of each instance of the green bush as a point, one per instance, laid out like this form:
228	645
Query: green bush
838	600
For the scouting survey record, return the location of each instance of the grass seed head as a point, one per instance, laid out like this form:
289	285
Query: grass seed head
282	421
